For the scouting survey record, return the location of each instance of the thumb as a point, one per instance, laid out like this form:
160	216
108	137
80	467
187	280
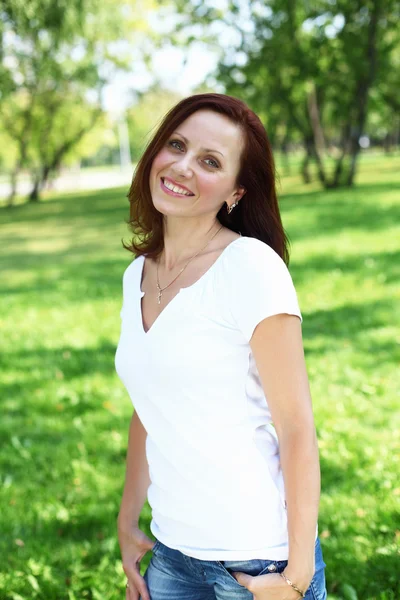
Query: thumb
242	578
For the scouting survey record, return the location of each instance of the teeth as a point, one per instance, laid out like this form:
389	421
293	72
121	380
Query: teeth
175	189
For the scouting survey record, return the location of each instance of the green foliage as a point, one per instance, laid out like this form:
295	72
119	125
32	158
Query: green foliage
144	118
57	59
348	592
65	414
309	69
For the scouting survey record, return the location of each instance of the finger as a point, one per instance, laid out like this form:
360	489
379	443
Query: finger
243	579
131	592
134	594
138	584
143	590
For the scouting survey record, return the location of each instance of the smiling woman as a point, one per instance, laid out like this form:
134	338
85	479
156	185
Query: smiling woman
240	157
222	441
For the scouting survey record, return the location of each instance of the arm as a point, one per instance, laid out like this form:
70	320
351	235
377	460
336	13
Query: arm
133	542
137	479
278	351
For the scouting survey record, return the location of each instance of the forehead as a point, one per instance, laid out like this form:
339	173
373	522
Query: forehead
208	129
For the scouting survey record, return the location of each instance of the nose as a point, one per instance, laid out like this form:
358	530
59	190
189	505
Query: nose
182	166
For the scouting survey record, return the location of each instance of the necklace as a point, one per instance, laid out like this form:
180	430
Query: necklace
160	290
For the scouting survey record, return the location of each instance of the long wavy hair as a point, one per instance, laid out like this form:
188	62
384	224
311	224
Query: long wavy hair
257	214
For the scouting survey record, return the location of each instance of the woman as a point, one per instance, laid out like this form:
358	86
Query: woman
222	441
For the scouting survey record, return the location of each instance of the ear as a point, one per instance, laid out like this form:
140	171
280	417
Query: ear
240	193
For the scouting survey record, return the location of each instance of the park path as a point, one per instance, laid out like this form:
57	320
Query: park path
78	180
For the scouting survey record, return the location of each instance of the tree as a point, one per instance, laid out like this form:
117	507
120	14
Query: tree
57	57
306	68
145	115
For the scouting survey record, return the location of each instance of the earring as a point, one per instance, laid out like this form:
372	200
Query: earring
230	208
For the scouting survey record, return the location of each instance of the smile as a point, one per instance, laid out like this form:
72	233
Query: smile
173	190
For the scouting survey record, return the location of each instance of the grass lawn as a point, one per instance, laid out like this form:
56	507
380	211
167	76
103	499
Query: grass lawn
65	414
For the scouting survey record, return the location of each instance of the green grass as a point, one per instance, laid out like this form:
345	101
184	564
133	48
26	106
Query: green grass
65	414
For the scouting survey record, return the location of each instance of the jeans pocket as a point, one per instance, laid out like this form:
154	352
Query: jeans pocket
318	583
319	559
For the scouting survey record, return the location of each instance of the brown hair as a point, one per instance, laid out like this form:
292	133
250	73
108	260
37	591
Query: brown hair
257	214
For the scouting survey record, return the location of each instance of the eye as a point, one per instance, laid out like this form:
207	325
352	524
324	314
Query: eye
215	163
172	142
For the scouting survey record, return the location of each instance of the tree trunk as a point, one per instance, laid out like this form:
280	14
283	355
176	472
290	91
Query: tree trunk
34	195
285	153
345	167
361	99
45	175
13	186
344	143
304	169
320	168
54	162
317	141
313	113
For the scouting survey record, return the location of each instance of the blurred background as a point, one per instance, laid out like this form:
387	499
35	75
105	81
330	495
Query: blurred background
83	87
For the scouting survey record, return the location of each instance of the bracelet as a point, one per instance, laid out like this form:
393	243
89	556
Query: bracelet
302	594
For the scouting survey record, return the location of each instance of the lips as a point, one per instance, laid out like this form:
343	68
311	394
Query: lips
179	185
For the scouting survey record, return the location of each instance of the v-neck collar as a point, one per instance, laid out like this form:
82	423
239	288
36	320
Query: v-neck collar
173	301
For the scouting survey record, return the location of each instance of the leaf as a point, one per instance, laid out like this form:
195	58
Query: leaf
34	582
15	441
348	592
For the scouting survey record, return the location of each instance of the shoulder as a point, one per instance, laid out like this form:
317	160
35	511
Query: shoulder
257	284
252	266
132	269
253	254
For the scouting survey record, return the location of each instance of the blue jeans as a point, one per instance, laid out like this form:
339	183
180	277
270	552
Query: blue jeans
172	575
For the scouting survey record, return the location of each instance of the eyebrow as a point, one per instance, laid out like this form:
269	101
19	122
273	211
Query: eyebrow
204	149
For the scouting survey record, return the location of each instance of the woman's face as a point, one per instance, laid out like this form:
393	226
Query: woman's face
202	156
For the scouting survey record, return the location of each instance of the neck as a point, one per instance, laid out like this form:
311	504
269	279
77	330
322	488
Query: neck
181	245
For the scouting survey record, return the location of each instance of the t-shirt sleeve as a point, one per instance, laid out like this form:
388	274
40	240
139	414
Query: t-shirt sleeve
122	298
260	286
126	284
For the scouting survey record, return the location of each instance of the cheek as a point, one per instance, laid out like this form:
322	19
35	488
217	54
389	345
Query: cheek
211	186
207	185
161	160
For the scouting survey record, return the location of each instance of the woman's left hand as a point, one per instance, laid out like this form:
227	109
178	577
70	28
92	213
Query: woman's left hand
267	587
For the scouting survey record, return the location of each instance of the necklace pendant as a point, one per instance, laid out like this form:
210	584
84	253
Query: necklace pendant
194	256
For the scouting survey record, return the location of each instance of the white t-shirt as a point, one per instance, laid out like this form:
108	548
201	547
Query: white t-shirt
216	489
